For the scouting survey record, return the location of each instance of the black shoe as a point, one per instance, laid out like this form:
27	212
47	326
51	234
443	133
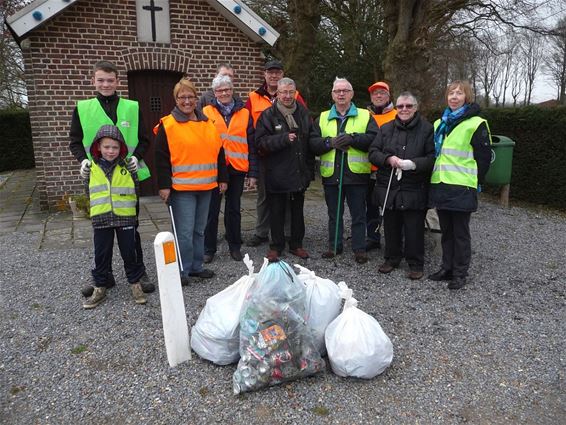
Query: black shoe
441	275
330	253
203	274
208	258
236	255
146	285
457	283
185	280
372	244
360	257
257	240
88	290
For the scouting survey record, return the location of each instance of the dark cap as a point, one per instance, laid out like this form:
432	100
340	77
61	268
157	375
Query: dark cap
273	65
112	132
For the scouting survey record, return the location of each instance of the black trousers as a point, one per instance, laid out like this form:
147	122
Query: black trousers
373	219
103	249
405	226
232	216
277	207
456	241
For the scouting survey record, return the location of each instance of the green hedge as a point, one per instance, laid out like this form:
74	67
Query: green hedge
539	155
16	149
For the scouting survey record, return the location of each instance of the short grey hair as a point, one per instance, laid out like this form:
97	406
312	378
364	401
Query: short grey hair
222	80
286	81
341	80
409	95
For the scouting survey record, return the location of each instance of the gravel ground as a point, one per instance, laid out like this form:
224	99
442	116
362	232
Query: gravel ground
492	353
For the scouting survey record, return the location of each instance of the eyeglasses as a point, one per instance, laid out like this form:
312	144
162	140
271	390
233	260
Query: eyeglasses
287	93
405	106
345	91
186	98
227	90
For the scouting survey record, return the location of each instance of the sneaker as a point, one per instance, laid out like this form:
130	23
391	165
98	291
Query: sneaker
372	244
457	283
300	252
272	255
330	253
386	267
207	259
257	240
360	257
236	255
98	295
415	275
137	292
203	274
441	275
146	285
89	289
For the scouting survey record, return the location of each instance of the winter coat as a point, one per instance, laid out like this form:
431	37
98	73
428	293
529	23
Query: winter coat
289	165
415	141
461	198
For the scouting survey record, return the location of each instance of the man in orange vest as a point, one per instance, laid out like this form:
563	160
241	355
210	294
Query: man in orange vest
383	111
258	101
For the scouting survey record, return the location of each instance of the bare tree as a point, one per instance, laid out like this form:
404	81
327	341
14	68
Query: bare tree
516	83
12	84
532	54
488	67
555	61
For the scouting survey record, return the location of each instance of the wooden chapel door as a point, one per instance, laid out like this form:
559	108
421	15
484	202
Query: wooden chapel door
154	92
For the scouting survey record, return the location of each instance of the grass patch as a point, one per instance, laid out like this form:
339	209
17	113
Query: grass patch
321	411
36	306
17	389
203	391
79	349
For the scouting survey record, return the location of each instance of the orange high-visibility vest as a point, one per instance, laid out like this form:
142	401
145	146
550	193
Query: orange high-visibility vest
234	136
381	119
194	148
261	103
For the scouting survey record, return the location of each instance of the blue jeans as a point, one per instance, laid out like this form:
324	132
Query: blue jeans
355	195
190	209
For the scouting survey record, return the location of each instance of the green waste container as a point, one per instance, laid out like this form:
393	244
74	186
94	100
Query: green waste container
501	161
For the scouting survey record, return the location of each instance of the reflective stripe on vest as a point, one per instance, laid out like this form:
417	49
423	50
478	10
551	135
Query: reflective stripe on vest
456	164
234	136
92	117
358	162
194	148
118	196
261	103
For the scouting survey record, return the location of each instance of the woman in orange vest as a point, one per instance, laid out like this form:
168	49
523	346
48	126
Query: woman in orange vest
235	126
190	164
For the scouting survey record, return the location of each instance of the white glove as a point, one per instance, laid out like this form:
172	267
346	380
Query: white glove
398	173
85	168
132	164
407	164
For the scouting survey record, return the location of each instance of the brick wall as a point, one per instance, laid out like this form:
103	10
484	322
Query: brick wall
60	56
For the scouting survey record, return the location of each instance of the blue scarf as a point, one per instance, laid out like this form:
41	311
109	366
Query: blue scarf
225	110
447	123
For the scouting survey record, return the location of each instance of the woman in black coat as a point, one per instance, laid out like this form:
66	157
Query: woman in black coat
403	151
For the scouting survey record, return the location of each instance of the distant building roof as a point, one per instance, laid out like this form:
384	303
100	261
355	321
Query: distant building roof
39	12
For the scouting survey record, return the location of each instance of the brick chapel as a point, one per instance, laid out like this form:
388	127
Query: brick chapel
153	43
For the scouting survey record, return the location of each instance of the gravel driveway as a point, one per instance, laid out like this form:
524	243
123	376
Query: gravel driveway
492	353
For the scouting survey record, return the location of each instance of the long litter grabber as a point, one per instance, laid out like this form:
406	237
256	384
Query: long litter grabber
382	208
339	204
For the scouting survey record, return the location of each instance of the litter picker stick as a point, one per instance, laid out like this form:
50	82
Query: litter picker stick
176	239
382	208
339	204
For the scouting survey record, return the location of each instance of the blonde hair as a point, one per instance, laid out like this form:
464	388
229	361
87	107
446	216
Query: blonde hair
186	84
464	85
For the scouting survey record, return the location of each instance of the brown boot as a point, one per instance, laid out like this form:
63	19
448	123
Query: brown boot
137	292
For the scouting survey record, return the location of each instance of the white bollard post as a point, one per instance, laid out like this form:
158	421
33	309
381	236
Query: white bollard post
175	328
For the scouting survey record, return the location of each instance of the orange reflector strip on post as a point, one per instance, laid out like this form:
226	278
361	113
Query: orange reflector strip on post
169	252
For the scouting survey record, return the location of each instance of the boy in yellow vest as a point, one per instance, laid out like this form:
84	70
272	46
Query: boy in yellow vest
109	108
113	196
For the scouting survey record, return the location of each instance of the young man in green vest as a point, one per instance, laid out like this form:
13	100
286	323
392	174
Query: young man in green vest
112	190
342	137
107	108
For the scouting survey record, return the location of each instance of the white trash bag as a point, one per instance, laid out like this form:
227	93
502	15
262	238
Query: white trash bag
216	334
356	344
322	304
